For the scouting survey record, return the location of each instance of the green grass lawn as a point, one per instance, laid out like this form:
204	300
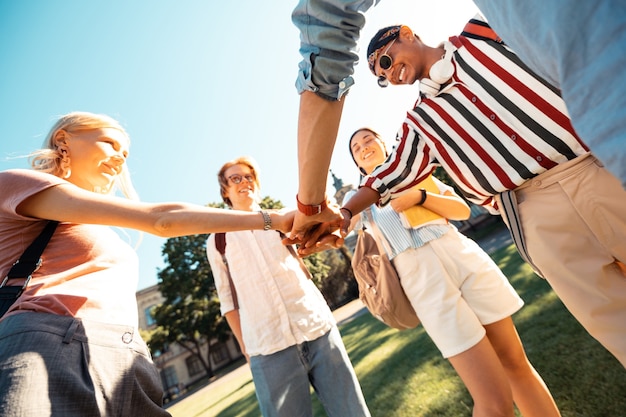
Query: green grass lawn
403	374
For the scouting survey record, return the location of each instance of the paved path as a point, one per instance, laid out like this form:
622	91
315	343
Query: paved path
351	310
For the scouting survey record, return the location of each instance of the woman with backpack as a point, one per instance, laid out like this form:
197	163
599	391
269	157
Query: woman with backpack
460	295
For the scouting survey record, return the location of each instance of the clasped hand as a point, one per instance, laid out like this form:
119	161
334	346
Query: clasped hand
319	232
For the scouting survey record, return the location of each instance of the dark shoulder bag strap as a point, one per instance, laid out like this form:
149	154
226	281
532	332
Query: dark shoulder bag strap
220	245
31	258
24	267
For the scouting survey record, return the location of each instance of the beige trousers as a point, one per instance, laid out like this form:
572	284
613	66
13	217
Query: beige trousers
573	222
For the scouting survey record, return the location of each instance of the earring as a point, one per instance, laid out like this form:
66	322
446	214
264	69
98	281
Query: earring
64	164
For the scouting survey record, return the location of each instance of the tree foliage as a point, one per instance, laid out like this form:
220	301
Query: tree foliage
190	314
332	274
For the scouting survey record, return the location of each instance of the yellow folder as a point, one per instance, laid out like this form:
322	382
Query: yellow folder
416	216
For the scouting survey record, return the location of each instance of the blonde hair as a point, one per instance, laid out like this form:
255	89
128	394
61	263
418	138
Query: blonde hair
48	159
223	181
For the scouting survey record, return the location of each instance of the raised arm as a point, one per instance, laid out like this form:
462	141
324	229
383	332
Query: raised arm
329	30
318	124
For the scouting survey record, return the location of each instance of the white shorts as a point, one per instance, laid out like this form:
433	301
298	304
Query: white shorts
455	289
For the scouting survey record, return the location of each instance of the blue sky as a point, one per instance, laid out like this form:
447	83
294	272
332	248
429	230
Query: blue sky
195	83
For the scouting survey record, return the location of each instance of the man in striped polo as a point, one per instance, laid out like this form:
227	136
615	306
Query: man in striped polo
504	136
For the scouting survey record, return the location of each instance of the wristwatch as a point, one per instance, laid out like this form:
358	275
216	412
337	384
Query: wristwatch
267	220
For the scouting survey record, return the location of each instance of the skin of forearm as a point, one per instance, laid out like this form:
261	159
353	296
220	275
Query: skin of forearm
448	206
190	219
318	124
233	320
362	199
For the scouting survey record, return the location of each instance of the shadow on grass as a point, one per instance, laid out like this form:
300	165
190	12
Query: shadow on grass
393	366
585	379
247	405
403	373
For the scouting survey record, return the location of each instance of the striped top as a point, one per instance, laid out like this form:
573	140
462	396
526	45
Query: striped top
496	125
399	238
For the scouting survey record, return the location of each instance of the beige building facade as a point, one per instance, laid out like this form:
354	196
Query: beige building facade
179	368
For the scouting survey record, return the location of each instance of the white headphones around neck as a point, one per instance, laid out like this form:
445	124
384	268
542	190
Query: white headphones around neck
440	72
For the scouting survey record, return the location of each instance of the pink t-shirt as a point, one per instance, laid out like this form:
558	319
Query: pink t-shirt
88	271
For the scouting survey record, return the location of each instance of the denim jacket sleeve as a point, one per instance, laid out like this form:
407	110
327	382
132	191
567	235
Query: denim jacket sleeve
329	30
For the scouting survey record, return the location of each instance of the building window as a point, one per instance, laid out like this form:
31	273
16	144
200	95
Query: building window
150	321
169	377
219	353
194	366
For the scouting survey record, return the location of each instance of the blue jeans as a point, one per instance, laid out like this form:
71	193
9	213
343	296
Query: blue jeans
283	379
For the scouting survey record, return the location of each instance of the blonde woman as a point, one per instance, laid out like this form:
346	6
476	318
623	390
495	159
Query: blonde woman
70	345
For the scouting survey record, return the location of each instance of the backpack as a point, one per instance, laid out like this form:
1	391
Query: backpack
220	245
379	285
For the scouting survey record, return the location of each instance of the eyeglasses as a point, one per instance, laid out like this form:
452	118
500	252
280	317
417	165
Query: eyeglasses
236	178
385	62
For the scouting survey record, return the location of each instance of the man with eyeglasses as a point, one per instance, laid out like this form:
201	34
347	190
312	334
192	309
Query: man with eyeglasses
503	135
279	317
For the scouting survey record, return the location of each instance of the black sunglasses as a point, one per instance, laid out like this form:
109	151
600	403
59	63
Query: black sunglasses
385	62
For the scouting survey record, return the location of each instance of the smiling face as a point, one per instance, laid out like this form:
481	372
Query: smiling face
407	63
367	149
242	187
97	156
